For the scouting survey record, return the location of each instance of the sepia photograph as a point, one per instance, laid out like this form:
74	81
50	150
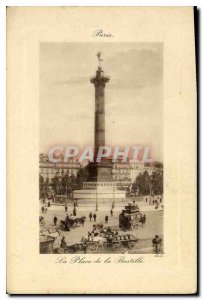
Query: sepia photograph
101	150
101	155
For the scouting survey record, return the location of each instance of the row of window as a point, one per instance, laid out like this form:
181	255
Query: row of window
91	184
57	171
121	171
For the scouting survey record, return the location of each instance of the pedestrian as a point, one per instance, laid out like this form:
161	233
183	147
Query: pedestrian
89	235
95	217
90	216
82	221
106	219
74	211
144	219
42	209
85	246
156	242
146	200
111	211
66	208
92	236
55	221
63	243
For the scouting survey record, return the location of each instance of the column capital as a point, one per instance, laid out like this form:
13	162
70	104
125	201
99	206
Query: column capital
99	79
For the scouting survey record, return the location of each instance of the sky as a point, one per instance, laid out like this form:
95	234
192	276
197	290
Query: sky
133	96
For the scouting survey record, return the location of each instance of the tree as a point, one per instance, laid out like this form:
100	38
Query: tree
41	185
66	184
142	183
157	182
55	183
81	176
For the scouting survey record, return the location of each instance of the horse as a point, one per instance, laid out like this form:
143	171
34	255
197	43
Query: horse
100	241
82	220
65	225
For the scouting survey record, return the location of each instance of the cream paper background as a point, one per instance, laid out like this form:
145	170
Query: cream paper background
27	270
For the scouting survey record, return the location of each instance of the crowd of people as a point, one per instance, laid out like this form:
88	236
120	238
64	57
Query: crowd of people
99	235
73	212
92	215
156	201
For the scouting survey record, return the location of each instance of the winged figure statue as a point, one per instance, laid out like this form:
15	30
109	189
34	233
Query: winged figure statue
99	57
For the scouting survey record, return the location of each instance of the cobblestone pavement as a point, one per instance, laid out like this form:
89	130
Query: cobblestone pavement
153	225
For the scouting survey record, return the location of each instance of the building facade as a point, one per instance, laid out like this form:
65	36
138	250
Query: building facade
125	173
121	173
49	169
140	167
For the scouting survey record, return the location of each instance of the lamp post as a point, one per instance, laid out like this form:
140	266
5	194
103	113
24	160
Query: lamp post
96	201
113	205
150	189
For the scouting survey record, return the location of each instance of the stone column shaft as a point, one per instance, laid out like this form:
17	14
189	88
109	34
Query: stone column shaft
99	82
99	137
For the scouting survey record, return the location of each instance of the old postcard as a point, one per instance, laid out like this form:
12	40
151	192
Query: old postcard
101	150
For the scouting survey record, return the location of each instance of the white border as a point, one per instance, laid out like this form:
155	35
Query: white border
101	3
3	5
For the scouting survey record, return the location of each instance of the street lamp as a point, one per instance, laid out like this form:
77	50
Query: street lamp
96	200
150	188
113	205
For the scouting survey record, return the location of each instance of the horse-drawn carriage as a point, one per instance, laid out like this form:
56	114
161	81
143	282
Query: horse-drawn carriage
116	239
71	221
130	218
101	237
92	245
126	240
108	237
114	242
